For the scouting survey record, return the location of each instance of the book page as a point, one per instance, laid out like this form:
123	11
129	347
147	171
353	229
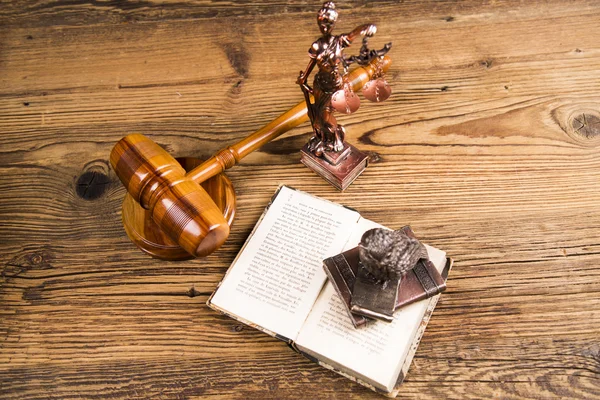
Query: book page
375	352
274	281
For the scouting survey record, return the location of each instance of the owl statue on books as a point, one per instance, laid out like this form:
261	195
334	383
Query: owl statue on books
389	255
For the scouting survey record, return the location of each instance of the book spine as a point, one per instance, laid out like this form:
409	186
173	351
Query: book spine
337	279
424	277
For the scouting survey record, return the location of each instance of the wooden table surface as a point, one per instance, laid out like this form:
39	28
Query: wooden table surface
489	147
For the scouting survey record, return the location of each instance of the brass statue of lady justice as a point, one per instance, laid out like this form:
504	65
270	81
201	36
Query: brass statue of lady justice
326	152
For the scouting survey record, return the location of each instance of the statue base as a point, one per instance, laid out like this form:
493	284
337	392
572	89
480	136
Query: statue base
338	168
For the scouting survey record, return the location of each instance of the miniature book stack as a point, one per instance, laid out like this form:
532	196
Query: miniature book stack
277	284
422	282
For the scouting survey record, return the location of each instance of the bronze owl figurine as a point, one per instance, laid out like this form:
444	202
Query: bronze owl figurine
389	254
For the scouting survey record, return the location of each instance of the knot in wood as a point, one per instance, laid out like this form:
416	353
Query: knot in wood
586	125
26	261
93	181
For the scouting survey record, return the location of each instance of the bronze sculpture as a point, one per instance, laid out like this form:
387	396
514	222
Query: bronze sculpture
385	258
388	270
389	255
333	92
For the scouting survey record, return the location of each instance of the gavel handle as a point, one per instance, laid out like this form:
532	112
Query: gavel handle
231	155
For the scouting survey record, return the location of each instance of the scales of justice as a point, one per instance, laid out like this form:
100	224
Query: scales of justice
182	208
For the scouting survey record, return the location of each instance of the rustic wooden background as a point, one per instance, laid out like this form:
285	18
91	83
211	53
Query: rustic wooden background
489	148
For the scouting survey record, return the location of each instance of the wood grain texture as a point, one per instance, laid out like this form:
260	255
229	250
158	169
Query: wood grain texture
488	147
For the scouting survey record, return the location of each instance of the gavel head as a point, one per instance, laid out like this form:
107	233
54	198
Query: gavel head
178	205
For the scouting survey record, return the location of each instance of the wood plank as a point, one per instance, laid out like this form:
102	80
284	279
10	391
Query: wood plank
488	147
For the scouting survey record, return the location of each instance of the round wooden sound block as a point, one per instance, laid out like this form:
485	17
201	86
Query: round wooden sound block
142	230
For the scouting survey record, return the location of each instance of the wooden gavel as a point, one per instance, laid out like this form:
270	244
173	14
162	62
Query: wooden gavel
167	212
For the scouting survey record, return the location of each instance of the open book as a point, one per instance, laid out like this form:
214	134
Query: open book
277	284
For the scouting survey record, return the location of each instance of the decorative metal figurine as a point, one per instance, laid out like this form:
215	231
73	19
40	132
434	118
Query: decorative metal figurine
385	258
388	270
326	152
389	255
